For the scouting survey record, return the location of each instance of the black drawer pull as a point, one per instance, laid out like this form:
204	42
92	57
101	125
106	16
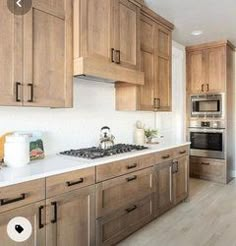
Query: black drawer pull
41	225
182	152
132	166
31	93
118	56
112	55
80	181
165	156
54	220
8	201
18	84
131	178
129	210
205	163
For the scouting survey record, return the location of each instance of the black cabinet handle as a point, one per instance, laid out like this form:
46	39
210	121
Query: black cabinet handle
182	152
118	56
132	166
41	225
8	201
165	156
131	178
81	180
18	84
205	163
112	55
202	88
31	92
129	210
207	87
157	103
54	220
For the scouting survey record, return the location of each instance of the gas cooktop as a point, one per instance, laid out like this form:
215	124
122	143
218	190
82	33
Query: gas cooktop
95	152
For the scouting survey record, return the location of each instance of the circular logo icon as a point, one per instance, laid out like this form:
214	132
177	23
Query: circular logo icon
19	229
19	7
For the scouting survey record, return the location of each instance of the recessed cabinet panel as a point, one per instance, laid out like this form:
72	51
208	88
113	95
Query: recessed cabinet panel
35	214
127	33
10	56
163	40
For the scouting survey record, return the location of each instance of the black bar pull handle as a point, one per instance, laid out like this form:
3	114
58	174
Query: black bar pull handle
165	156
80	181
41	225
132	166
54	220
31	93
182	152
9	201
129	210
18	84
131	178
112	55
118	56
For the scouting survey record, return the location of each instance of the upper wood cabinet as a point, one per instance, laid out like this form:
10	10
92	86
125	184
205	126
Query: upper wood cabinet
36	55
11	62
106	40
156	47
207	68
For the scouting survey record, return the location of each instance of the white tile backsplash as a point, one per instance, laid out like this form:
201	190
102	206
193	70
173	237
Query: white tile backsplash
94	107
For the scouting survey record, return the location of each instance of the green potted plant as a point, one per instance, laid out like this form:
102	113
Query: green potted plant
150	134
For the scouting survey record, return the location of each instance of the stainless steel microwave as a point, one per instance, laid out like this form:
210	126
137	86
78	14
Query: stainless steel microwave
209	105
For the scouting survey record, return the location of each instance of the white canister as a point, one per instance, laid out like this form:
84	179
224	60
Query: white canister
16	150
139	136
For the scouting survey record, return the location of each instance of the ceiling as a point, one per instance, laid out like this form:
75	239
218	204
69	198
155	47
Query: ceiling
216	18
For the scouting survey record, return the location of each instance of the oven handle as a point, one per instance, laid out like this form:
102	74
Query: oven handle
206	130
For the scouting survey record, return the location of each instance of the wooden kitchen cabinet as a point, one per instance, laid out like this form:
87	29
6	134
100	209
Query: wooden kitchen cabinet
71	218
156	57
180	179
164	187
11	62
48	54
207	68
118	225
106	40
35	213
36	55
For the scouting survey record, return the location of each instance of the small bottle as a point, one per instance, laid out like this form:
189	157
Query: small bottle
139	134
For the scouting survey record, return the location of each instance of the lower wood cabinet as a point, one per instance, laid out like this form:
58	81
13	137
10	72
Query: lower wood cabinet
70	218
115	227
34	213
163	187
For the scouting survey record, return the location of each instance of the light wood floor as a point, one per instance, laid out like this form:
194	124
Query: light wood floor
207	219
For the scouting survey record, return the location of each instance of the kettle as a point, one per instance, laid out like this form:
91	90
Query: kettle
106	138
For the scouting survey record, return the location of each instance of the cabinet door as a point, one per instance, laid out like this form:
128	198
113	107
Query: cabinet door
180	179
71	219
48	54
126	33
164	199
216	69
122	191
118	225
10	56
147	63
92	19
162	79
31	213
195	72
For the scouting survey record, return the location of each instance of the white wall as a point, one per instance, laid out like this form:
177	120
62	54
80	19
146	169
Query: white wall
94	107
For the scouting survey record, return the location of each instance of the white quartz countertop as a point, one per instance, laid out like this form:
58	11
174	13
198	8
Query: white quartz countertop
57	164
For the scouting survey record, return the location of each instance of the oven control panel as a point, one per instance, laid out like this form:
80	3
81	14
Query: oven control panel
207	124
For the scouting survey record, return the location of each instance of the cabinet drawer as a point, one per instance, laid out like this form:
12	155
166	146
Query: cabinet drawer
113	228
119	192
210	169
65	182
164	156
119	168
181	151
18	195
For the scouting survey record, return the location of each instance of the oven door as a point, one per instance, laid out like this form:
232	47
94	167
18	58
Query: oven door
206	106
207	142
